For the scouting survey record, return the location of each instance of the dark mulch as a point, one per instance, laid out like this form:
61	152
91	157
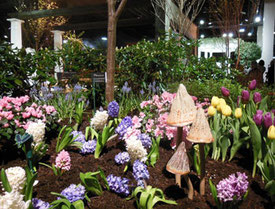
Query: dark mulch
159	177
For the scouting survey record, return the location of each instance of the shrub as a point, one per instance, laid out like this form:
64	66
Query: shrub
249	51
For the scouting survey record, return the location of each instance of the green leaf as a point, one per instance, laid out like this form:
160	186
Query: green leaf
5	181
214	193
79	204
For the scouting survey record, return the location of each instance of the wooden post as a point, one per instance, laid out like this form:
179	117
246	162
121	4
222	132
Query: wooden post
202	158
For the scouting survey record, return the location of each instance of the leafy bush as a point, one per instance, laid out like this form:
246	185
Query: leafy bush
249	51
19	71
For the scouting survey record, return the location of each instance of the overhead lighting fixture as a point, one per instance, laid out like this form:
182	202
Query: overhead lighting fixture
242	30
104	38
201	22
210	23
230	35
249	34
224	35
5	36
246	20
202	36
257	19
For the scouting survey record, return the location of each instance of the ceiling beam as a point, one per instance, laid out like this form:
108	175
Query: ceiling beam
103	24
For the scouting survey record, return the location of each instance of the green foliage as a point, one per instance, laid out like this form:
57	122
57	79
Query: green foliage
249	51
153	156
148	197
66	139
18	67
147	61
78	116
91	183
64	203
5	181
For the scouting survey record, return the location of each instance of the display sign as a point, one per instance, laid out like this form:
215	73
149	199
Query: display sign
99	77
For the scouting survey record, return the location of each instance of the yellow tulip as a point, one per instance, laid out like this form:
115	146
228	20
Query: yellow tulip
226	110
211	110
219	107
271	132
238	113
222	102
214	101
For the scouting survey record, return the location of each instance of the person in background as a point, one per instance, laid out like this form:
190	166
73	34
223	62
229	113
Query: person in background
270	73
256	73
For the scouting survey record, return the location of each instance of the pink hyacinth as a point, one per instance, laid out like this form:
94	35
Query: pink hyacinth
136	122
141	115
63	160
149	125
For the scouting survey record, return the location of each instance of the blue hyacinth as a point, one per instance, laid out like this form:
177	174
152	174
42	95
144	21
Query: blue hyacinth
140	171
113	109
88	147
40	204
122	157
80	136
74	192
123	126
118	184
145	140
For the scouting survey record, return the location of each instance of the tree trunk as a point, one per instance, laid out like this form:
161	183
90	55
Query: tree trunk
111	49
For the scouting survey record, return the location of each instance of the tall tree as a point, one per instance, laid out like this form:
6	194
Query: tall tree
114	11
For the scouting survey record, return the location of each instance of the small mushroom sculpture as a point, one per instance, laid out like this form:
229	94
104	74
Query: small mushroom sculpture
179	165
182	113
200	132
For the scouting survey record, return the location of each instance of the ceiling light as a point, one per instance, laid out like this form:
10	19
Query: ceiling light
224	35
242	30
210	23
257	19
201	22
104	38
230	35
202	36
249	34
5	36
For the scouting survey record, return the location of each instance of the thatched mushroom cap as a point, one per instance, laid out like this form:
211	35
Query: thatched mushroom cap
179	162
183	110
200	131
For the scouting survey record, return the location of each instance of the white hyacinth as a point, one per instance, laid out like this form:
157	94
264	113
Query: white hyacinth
135	149
99	120
13	200
16	177
37	130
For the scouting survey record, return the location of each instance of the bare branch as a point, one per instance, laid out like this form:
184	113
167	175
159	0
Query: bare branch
120	8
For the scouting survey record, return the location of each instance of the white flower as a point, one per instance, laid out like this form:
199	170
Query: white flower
16	177
135	149
99	120
37	130
13	200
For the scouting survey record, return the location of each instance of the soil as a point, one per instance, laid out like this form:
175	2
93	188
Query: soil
159	177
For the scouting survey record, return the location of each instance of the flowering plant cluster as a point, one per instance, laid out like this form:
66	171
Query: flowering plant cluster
40	204
16	177
99	120
74	192
113	109
16	114
118	185
140	173
122	158
14	200
63	161
230	191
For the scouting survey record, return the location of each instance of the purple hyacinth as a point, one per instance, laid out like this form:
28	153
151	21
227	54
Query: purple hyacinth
80	136
122	157
113	109
40	204
145	140
88	147
235	186
77	88
140	171
74	192
118	184
123	126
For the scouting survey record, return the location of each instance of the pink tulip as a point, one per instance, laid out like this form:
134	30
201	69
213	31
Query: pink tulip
225	91
252	84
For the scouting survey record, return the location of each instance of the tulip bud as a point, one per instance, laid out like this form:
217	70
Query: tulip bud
238	113
271	132
226	110
214	101
252	85
211	110
268	120
257	97
222	102
259	112
245	96
225	91
258	118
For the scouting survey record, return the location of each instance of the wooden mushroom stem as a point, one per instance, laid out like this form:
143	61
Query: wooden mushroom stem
202	159
179	136
189	184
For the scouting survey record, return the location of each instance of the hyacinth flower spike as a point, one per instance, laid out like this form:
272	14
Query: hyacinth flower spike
183	112
200	133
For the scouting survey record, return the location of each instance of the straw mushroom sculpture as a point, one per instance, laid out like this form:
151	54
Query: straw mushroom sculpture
182	113
200	133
